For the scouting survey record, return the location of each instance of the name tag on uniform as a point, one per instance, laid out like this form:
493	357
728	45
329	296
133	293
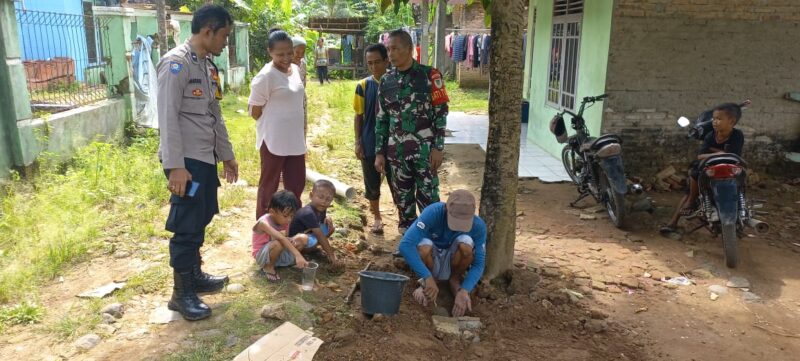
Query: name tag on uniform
195	81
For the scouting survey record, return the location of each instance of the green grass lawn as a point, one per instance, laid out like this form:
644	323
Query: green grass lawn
467	100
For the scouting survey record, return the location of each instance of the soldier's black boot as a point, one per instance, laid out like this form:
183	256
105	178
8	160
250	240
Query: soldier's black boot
204	282
185	300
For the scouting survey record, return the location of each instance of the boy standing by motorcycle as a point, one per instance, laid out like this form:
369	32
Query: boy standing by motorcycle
723	139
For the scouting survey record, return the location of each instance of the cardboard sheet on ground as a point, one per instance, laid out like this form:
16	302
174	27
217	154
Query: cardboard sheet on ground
287	342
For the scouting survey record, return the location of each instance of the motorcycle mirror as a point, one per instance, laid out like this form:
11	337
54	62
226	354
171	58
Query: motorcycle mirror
684	122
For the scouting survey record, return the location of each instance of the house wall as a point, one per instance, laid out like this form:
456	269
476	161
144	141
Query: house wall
592	65
673	58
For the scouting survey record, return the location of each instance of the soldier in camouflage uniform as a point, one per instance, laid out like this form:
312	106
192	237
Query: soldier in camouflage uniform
409	132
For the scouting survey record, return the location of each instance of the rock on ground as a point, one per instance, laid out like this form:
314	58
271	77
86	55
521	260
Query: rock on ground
738	282
720	290
87	342
108	319
114	309
234	288
163	315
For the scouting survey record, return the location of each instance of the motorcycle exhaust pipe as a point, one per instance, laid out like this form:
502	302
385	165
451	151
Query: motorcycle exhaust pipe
759	226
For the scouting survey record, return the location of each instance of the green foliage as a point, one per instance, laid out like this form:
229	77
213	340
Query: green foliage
20	314
380	22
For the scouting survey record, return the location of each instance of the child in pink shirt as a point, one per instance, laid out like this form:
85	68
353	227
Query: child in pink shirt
271	246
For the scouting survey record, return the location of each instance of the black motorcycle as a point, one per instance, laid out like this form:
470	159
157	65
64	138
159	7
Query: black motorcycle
595	164
724	208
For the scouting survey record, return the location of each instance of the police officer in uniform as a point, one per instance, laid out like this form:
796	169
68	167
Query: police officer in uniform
193	139
410	127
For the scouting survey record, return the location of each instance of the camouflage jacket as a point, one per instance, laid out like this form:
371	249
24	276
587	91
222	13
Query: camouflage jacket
412	112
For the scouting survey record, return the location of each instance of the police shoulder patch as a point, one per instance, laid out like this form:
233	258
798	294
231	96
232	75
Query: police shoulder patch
175	67
420	225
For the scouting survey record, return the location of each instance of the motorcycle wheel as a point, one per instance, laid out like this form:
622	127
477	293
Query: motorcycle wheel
568	157
729	245
615	203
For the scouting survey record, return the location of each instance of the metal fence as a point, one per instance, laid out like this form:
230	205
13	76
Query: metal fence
65	58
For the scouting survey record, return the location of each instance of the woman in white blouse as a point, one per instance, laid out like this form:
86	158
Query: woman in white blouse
276	103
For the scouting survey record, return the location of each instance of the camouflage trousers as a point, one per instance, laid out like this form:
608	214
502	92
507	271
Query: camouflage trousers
413	185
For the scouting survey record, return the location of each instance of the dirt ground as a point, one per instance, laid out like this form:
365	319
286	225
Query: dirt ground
625	313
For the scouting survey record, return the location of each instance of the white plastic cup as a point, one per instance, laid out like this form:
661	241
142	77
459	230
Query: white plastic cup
309	274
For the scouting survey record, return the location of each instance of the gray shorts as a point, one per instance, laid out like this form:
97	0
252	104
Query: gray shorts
443	257
285	259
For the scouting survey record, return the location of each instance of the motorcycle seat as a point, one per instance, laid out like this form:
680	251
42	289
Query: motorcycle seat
722	158
588	144
599	142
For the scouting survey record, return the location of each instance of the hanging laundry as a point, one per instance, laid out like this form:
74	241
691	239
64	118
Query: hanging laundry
347	49
470	51
476	60
448	44
458	48
486	45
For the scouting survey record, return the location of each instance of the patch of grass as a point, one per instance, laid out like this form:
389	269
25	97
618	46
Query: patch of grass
20	314
215	233
232	196
80	319
63	213
150	280
467	100
242	133
203	351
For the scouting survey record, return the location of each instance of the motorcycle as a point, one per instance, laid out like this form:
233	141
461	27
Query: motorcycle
723	205
595	164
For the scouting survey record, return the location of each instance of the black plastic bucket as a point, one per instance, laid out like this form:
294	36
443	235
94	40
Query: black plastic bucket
381	292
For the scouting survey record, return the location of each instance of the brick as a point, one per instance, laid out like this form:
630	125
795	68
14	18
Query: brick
664	65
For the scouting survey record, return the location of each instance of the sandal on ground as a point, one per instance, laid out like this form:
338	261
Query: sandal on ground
271	277
666	230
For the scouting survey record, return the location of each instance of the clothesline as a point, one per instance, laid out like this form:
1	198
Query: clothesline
466	29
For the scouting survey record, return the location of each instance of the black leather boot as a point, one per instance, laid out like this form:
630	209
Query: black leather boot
204	282
185	300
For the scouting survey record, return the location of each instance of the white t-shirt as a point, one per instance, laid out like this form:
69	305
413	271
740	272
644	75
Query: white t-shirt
282	122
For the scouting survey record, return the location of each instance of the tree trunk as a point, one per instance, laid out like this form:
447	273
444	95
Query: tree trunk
161	17
438	45
423	44
499	191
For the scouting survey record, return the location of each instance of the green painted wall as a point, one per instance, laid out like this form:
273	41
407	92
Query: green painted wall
14	98
64	133
592	66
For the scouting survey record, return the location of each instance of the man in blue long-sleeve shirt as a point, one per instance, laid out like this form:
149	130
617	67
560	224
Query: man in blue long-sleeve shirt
447	242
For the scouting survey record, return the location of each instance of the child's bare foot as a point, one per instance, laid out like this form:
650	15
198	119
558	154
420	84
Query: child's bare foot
377	227
271	274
